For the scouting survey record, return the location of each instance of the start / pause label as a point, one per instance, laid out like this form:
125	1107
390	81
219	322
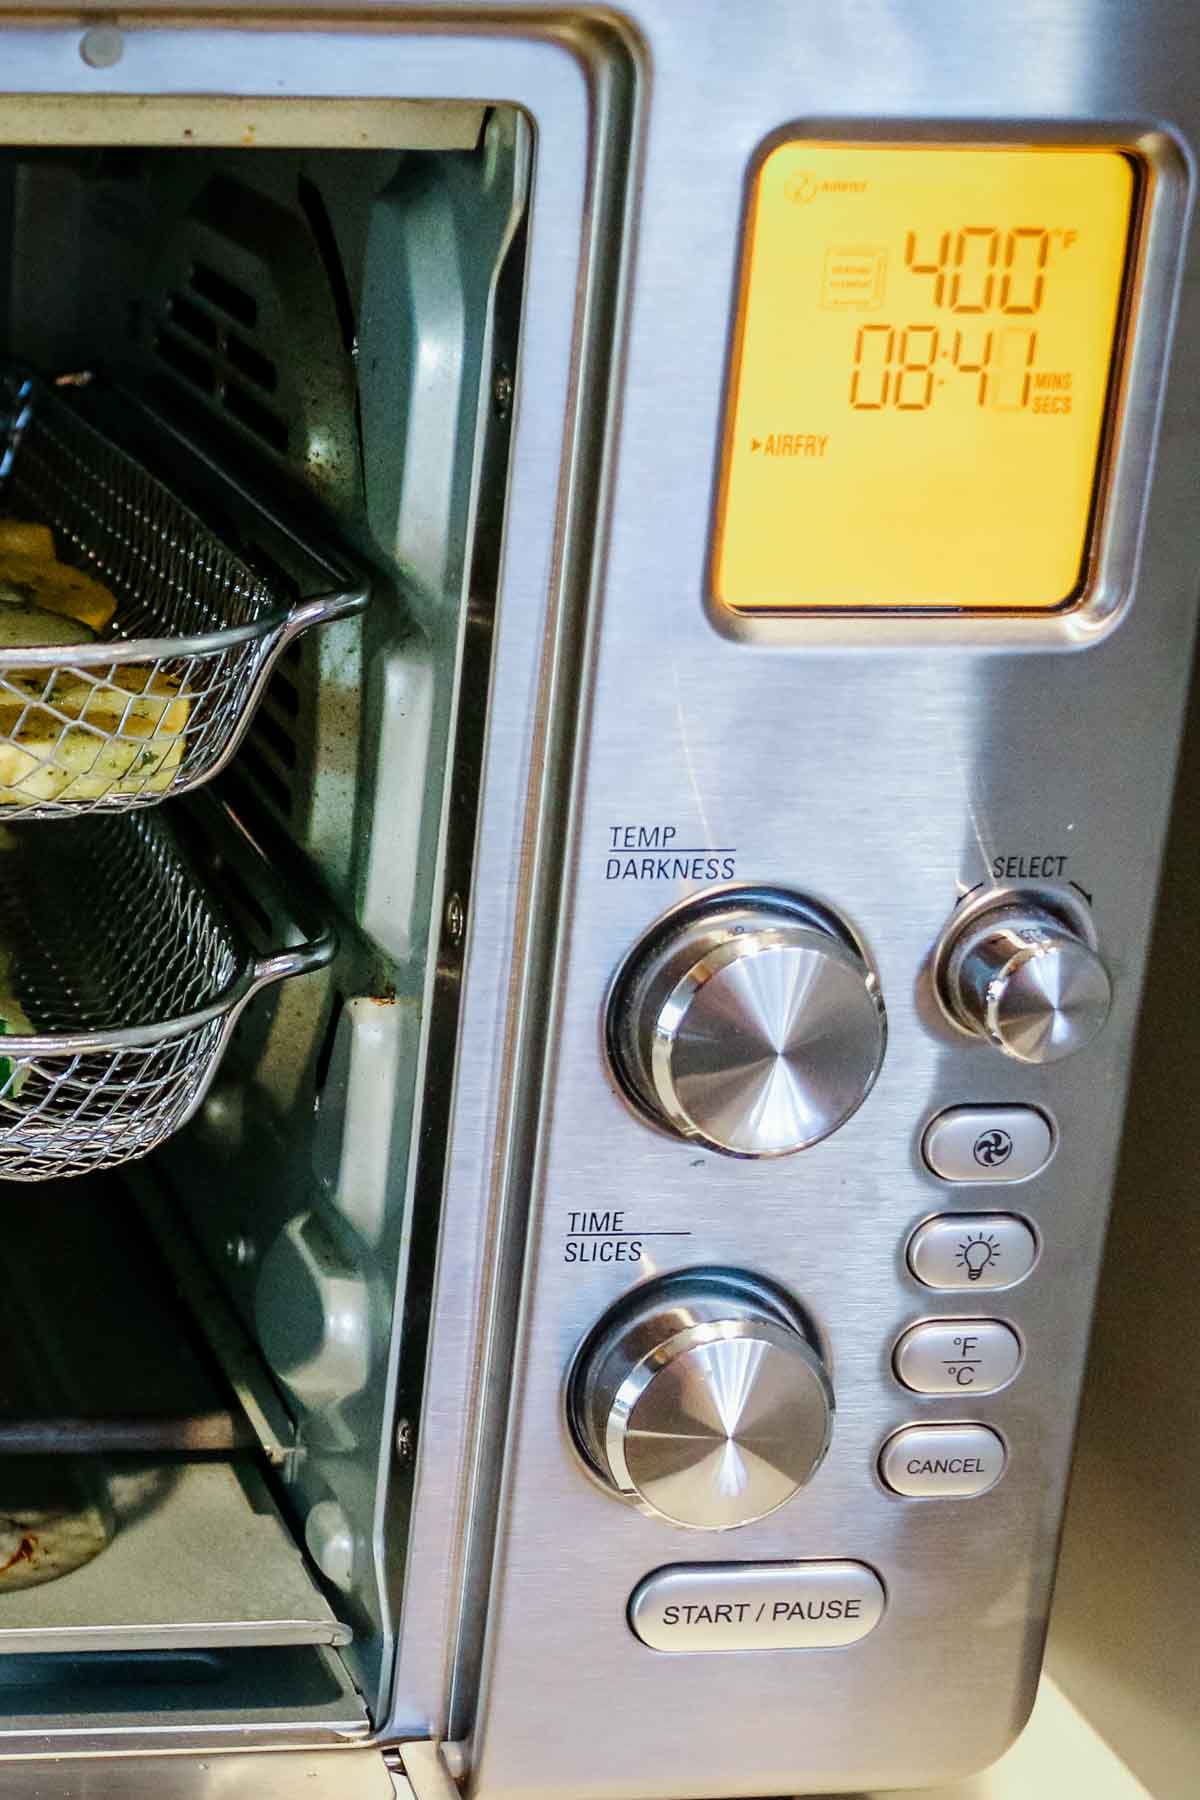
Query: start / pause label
756	1606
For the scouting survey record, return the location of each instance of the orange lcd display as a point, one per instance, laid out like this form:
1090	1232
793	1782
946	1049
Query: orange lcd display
922	375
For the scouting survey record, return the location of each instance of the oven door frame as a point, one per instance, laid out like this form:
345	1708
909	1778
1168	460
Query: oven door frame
582	87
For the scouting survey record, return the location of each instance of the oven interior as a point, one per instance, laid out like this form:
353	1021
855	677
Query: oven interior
213	1355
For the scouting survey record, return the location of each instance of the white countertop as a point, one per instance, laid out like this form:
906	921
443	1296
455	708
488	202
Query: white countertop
1057	1757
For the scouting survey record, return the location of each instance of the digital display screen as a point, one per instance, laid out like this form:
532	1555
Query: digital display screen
921	377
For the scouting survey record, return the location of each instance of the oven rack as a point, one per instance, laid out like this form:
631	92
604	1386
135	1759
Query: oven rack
120	953
161	700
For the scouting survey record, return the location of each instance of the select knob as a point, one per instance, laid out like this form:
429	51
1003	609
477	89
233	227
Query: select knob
702	1400
1022	977
749	1021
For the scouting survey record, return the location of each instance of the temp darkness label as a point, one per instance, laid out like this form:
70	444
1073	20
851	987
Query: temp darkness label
604	1237
653	853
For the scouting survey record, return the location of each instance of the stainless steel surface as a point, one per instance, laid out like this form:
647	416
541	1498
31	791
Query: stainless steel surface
199	1557
749	1023
193	620
355	1774
972	1250
1019	978
702	1402
883	766
123	957
988	1143
756	1606
954	1356
942	1462
427	1773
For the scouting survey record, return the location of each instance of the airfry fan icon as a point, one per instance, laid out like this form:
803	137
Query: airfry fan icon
800	187
992	1148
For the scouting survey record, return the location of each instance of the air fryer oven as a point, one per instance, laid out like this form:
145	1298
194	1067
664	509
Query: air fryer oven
553	1206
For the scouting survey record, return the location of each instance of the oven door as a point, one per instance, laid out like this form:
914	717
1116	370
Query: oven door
358	1658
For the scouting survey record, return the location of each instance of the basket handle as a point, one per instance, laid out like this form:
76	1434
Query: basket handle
298	959
320	609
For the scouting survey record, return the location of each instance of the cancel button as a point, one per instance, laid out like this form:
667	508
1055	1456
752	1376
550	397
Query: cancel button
756	1606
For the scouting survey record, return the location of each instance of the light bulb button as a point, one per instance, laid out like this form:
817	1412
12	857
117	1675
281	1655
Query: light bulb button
988	1143
957	1356
972	1251
942	1462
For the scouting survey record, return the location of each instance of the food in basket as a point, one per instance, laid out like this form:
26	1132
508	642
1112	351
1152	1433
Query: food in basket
14	1022
67	735
20	539
29	627
31	575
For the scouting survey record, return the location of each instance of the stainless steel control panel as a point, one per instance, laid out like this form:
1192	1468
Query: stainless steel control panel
858	910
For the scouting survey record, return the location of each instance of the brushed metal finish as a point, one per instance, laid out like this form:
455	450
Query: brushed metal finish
749	1023
972	1250
701	1607
1021	980
215	1775
888	768
702	1402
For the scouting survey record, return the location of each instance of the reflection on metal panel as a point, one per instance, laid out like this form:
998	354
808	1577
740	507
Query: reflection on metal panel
316	1774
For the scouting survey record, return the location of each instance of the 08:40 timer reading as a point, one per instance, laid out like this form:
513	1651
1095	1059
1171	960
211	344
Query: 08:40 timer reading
996	277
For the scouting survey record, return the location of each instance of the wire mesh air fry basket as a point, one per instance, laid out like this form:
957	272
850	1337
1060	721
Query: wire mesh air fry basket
160	702
134	978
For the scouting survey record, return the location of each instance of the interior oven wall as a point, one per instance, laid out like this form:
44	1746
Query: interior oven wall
340	327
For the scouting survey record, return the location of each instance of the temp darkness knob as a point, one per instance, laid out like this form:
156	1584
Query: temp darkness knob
1021	977
748	1021
701	1400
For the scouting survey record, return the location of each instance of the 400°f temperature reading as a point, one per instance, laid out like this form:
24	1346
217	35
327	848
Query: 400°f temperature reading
925	369
976	272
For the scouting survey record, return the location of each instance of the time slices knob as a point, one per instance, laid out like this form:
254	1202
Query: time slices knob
702	1399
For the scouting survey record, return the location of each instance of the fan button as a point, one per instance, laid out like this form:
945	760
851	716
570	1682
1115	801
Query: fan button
988	1143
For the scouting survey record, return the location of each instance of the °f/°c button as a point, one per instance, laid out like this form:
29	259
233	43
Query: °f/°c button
988	1143
956	1356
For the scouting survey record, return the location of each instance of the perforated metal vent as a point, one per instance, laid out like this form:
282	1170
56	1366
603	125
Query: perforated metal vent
209	338
246	313
247	317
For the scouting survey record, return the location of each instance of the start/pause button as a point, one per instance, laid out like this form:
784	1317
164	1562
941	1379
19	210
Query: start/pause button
756	1606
